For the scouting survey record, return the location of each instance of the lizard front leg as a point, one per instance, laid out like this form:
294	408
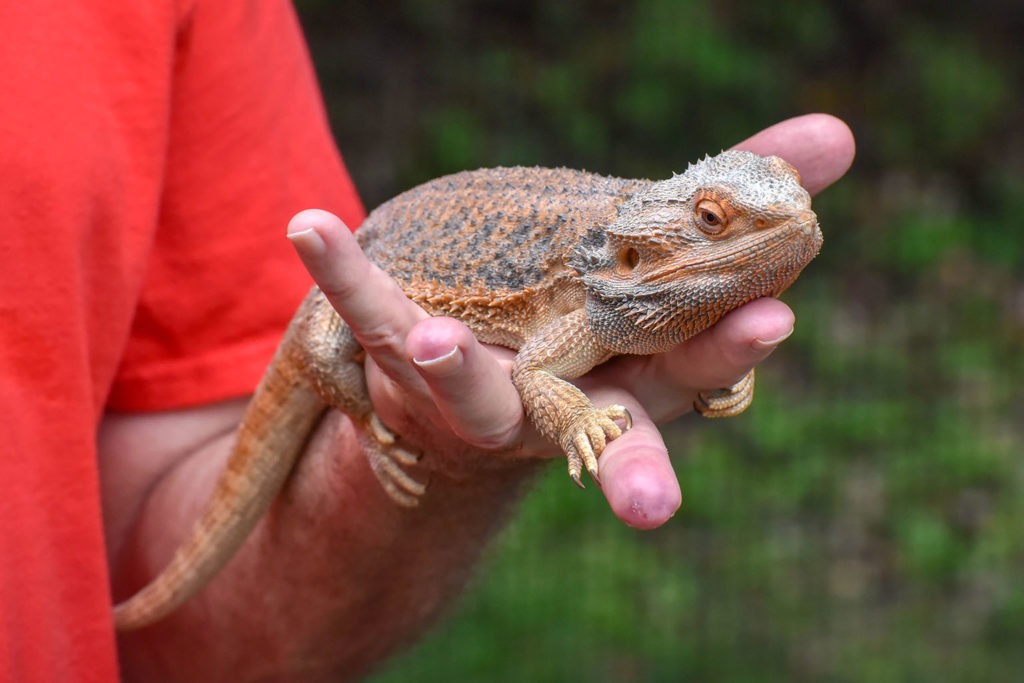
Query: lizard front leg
563	350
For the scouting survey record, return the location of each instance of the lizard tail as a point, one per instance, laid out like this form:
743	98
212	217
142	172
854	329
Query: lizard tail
273	433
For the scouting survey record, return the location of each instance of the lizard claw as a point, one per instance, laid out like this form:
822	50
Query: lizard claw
727	402
388	460
587	438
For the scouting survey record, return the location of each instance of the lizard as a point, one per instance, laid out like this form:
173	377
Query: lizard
567	268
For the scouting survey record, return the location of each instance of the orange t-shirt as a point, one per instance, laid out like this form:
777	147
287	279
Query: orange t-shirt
152	155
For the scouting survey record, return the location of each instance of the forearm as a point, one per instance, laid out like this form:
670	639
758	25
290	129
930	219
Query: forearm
332	580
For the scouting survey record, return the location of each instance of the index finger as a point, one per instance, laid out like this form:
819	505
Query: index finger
371	303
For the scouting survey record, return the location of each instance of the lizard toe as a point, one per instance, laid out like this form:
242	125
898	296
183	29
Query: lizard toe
389	461
576	471
401	487
588	437
727	402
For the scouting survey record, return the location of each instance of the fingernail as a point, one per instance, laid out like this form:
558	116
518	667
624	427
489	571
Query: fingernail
307	240
442	365
763	344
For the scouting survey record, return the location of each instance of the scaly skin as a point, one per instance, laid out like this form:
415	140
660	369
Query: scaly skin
567	268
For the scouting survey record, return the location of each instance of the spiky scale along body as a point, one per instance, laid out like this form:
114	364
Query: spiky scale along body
567	268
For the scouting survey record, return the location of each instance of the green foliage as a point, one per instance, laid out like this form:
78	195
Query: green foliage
862	522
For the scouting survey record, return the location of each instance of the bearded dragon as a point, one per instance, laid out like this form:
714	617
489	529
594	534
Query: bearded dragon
567	268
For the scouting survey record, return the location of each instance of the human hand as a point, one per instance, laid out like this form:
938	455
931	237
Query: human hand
450	396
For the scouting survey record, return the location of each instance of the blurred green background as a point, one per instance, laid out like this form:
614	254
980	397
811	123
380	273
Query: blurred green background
864	520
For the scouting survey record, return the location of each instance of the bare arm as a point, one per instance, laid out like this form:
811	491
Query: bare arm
336	576
333	553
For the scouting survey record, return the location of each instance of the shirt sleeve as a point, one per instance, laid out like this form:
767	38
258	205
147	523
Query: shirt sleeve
249	146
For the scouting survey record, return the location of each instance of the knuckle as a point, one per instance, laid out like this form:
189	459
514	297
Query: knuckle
348	283
383	338
492	439
488	424
338	289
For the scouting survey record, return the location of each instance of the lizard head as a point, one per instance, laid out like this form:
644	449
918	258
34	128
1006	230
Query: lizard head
683	252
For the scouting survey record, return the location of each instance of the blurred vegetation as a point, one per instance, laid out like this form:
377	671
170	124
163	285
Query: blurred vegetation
863	520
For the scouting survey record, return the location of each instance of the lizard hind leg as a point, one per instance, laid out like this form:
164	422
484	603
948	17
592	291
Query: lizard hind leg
727	402
334	360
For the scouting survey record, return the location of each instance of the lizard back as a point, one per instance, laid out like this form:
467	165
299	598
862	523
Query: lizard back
469	244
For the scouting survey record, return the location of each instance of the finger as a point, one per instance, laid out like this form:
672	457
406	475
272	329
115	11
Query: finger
820	146
716	358
636	474
470	385
372	304
721	355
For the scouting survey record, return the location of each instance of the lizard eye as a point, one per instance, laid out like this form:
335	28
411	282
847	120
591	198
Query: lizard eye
628	260
710	216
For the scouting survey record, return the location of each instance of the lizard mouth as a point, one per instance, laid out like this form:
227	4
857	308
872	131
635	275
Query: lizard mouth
800	239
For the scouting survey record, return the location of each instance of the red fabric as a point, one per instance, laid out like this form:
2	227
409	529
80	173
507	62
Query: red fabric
152	155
